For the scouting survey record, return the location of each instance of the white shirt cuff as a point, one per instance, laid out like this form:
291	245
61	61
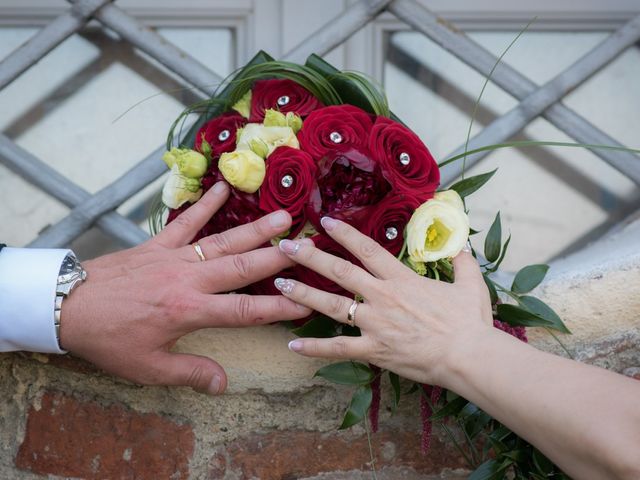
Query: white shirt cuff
28	279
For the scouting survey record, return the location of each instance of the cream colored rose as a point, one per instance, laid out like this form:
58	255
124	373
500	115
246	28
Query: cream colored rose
274	118
179	189
439	228
268	138
243	169
191	164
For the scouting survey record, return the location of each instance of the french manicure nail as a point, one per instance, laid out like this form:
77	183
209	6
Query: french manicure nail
467	247
284	285
289	246
295	345
219	187
214	386
328	223
278	219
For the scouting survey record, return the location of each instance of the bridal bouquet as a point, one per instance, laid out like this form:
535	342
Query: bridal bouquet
315	141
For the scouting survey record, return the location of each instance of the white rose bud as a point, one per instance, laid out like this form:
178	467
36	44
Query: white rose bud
438	229
243	169
273	137
179	189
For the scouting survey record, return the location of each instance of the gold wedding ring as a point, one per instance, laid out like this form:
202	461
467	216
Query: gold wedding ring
351	316
196	246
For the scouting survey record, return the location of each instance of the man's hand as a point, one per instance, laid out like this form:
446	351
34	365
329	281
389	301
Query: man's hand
135	304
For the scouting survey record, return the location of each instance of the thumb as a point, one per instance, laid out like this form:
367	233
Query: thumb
200	373
465	267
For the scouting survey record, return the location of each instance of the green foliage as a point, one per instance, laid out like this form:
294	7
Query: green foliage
347	373
394	379
360	403
493	241
529	278
541	309
320	326
469	185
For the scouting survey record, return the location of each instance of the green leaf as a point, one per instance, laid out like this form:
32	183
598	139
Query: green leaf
517	316
490	470
474	420
529	278
502	254
469	185
346	373
492	289
395	384
318	327
542	463
493	241
453	407
543	310
360	403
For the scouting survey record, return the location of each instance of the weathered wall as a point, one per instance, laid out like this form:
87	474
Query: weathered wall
60	417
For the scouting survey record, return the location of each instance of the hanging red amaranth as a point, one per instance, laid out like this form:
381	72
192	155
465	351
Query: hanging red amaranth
433	392
374	409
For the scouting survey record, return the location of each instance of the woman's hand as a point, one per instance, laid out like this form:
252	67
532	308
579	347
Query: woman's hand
411	325
135	304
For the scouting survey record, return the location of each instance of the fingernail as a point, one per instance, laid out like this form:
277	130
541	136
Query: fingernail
295	345
328	223
214	386
289	246
467	247
278	219
307	241
284	285
219	187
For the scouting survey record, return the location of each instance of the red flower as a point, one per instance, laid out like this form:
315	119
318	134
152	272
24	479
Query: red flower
240	208
405	160
290	175
314	279
220	133
347	182
281	94
385	222
335	128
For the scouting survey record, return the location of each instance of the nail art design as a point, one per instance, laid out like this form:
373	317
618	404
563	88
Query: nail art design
289	246
284	285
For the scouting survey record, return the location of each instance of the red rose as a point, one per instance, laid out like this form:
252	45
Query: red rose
335	128
240	208
220	133
281	94
314	279
405	160
290	175
347	182
386	221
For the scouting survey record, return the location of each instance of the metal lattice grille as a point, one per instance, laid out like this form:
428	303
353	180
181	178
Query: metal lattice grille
99	209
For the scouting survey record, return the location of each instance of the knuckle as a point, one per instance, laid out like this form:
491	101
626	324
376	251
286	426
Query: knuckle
220	242
245	307
336	306
368	248
197	378
339	348
184	220
243	265
259	229
343	269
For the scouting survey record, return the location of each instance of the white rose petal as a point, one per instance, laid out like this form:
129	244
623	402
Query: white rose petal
179	189
437	230
272	137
